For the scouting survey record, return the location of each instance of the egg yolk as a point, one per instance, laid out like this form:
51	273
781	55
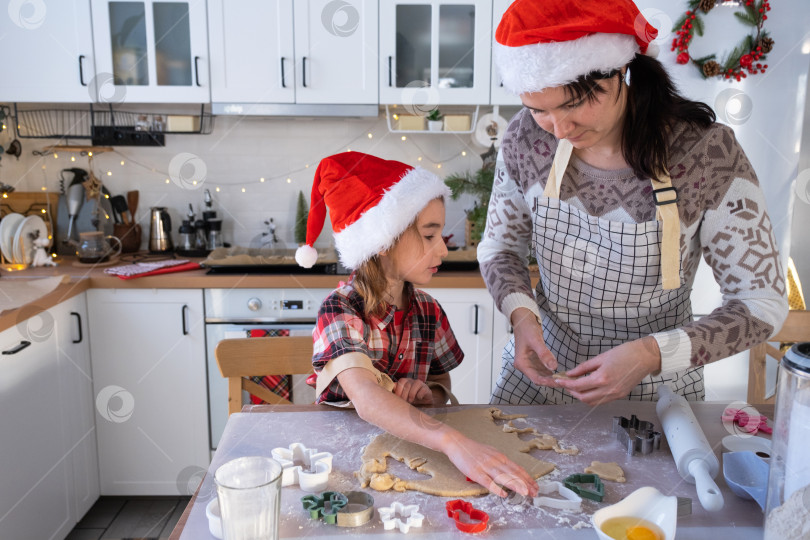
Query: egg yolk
640	533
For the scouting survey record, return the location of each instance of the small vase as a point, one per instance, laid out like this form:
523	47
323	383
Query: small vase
435	125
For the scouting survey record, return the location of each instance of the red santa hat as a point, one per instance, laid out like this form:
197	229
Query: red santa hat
371	202
546	43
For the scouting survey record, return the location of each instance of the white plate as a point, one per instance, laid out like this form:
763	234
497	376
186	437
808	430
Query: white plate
739	443
23	241
8	228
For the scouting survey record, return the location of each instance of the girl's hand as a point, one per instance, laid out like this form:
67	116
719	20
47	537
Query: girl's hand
413	391
614	373
532	357
489	467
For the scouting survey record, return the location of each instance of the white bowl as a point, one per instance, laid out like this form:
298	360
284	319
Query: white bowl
214	518
646	503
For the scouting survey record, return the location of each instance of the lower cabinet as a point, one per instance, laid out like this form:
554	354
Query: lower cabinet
49	473
148	356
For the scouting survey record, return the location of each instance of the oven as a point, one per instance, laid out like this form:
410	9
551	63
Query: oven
239	313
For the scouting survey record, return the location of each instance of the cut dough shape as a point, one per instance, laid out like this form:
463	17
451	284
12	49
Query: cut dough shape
606	471
542	441
443	478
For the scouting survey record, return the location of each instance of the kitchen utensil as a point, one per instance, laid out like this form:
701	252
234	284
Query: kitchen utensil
187	237
8	228
747	443
746	475
132	204
84	221
645	503
14	149
75	199
249	494
93	247
694	458
160	230
30	228
214	234
119	205
130	235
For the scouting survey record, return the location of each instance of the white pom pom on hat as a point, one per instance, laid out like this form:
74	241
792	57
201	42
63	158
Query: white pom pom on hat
371	202
541	44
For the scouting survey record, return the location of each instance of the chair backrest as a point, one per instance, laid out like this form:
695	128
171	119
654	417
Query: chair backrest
249	357
796	329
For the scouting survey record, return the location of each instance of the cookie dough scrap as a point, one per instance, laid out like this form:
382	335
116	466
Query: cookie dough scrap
542	441
442	478
606	471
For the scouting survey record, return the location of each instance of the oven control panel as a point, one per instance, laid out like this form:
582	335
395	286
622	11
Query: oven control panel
263	305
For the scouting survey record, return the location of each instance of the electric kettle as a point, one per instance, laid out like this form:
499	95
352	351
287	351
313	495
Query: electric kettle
160	230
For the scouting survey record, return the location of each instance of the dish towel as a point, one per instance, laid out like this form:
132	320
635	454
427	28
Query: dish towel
129	271
278	384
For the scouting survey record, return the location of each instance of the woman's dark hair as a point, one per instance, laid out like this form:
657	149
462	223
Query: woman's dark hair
653	107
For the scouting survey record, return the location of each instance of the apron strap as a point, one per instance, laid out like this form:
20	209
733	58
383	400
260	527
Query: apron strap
666	211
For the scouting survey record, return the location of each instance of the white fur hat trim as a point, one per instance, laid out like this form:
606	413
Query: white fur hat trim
378	228
532	68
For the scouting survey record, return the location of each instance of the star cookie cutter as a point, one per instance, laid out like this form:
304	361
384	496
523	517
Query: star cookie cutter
636	435
578	484
304	466
324	506
401	516
456	507
570	500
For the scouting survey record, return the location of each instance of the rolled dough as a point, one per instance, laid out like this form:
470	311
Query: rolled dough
606	471
442	477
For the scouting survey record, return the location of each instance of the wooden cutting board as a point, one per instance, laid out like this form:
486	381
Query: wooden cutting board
28	203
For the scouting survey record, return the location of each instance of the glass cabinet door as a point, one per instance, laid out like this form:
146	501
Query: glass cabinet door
412	44
172	44
128	40
456	45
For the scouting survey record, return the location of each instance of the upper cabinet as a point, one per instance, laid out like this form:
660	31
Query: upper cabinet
151	51
499	96
435	52
48	54
280	51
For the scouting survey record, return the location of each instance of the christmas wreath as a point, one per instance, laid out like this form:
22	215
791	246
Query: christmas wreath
746	58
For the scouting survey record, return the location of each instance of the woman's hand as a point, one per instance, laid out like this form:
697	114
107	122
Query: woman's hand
614	373
414	391
532	357
487	466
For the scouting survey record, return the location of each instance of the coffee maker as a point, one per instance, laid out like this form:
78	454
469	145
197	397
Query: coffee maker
160	230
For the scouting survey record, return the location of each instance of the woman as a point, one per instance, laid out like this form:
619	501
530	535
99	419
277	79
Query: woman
617	184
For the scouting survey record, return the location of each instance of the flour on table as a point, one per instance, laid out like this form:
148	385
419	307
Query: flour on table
791	521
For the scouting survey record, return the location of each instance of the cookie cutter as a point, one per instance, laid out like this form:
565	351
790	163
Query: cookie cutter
304	466
401	516
636	435
570	500
578	484
350	509
456	507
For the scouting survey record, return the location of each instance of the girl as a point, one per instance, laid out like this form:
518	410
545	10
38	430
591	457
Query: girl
380	344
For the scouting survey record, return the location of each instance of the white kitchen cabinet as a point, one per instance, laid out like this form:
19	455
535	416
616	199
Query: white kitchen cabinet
148	356
35	472
152	51
48	52
435	52
470	312
77	401
280	51
499	95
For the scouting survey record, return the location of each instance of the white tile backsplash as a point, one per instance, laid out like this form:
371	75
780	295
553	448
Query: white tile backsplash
236	155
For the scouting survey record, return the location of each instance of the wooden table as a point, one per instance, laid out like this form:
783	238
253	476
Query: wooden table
259	429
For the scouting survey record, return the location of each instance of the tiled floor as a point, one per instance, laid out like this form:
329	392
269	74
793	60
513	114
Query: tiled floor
118	518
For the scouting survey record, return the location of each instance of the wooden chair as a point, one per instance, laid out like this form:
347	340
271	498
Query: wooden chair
795	329
248	357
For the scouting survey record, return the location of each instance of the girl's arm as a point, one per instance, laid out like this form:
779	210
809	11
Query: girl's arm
481	463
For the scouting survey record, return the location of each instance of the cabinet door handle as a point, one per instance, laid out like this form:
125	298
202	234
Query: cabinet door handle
283	82
475	320
197	70
81	70
183	318
390	76
18	348
304	70
78	320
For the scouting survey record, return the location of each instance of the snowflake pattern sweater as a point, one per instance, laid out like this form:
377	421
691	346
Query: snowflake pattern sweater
723	218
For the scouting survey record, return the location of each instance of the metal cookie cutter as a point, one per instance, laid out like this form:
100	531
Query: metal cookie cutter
578	482
324	506
350	509
304	466
393	516
636	435
570	501
457	506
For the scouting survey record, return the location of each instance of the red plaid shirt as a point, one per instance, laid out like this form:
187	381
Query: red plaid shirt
423	344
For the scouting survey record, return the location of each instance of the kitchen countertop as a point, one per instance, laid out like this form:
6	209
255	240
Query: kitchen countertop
344	434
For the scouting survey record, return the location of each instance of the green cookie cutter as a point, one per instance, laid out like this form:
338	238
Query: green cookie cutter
326	506
578	484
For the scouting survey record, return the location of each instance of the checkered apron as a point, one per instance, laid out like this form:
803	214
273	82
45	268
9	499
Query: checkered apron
601	286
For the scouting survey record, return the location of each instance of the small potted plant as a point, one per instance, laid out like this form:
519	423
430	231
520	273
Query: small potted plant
434	118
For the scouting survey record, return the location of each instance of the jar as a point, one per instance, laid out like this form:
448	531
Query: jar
787	512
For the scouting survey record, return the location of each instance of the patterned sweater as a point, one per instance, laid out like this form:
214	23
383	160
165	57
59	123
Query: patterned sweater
723	217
